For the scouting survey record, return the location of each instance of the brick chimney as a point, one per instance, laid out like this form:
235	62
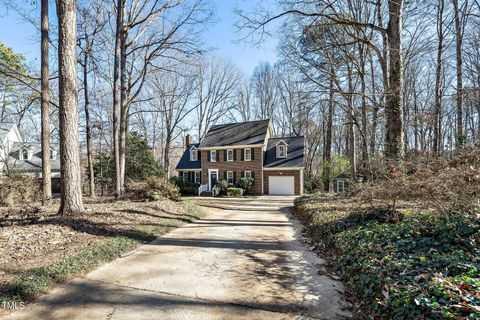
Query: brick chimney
188	140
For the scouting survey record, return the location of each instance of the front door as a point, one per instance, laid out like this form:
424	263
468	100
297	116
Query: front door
213	178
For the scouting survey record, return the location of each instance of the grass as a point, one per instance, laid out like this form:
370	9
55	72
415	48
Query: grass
424	266
39	279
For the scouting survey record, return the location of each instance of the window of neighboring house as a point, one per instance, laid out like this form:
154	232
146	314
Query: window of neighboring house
230	177
213	155
24	155
52	155
248	155
248	174
229	155
193	154
340	186
281	151
197	177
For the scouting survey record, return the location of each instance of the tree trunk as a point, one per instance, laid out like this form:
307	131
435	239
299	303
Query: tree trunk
116	103
327	152
71	200
458	40
45	100
437	123
123	107
91	175
394	135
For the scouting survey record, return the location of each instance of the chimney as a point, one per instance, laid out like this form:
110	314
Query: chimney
188	140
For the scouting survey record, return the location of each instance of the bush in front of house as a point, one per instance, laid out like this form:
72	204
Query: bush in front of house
153	189
234	192
187	188
221	186
18	190
140	163
246	183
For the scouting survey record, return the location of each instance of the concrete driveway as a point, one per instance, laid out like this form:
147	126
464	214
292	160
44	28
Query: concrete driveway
243	261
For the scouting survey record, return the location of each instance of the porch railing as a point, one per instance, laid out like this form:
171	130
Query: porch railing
203	187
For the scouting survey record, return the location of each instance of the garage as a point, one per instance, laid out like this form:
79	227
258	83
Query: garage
281	185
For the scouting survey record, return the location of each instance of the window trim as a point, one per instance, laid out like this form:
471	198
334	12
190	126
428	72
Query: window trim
343	186
228	153
24	152
245	154
249	175
191	154
228	179
279	146
195	177
213	152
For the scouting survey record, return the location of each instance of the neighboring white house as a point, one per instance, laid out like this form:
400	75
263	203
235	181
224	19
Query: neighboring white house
23	157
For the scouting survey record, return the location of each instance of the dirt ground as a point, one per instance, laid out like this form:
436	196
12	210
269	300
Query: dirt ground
34	236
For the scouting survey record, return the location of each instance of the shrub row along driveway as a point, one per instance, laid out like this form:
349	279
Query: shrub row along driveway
243	260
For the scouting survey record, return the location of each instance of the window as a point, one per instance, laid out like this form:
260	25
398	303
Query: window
213	155
230	177
193	154
197	177
229	155
248	154
24	154
248	174
340	186
281	151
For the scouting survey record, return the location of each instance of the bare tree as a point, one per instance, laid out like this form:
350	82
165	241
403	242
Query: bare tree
216	84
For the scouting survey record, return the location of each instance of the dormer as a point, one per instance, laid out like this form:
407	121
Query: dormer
281	149
24	154
193	154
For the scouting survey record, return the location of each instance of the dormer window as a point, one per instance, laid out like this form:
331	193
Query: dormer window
193	154
24	154
281	150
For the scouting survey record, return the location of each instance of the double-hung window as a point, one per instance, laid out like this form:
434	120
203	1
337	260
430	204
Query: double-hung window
248	174
247	154
230	155
193	154
213	155
230	177
197	177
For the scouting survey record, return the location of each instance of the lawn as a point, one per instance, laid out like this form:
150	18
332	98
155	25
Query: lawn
38	248
419	266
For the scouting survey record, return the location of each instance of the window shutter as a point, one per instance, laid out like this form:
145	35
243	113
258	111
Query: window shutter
234	177
225	155
242	154
242	174
208	155
199	156
234	154
252	154
253	176
225	175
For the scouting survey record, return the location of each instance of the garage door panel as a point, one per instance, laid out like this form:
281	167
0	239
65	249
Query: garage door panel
281	185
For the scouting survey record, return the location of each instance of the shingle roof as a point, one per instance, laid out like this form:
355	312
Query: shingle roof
295	153
184	163
236	134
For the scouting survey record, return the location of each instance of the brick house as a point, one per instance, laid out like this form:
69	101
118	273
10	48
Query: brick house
246	149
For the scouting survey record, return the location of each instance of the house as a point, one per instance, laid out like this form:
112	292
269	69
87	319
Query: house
246	149
24	158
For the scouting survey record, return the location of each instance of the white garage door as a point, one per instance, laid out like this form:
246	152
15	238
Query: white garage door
282	185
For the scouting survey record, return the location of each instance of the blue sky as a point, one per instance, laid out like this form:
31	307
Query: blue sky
24	38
